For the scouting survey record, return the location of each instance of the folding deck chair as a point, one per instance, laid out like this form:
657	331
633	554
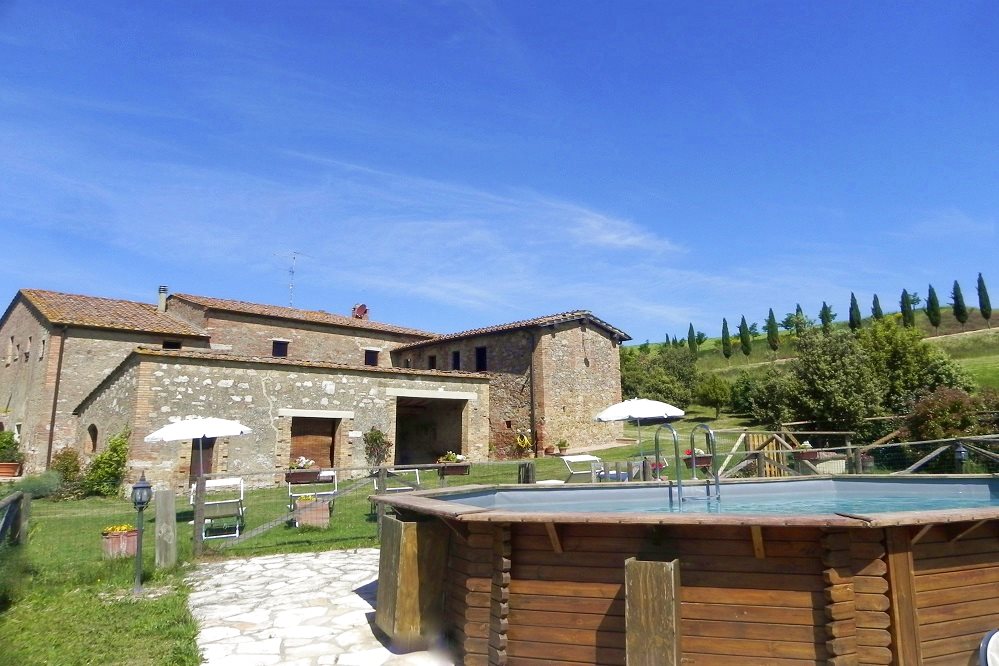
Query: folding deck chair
591	466
225	513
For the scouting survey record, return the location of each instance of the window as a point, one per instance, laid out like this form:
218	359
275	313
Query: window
456	360
17	352
171	344
27	350
432	362
41	350
370	357
279	348
92	436
480	359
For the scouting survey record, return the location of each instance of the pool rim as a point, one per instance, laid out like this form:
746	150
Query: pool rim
426	502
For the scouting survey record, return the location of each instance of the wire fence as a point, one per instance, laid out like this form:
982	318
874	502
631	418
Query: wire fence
271	513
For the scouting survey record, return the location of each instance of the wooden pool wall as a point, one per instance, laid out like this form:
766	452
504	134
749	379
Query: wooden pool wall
548	593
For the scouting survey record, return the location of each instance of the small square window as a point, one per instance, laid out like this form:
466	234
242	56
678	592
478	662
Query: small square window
480	359
432	362
370	357
279	348
171	344
456	360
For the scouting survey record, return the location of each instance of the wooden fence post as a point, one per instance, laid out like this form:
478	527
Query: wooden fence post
652	613
761	469
166	529
199	516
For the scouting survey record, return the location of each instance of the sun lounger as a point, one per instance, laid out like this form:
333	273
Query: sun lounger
224	511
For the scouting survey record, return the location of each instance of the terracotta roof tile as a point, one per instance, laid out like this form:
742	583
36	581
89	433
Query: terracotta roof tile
547	320
108	313
313	316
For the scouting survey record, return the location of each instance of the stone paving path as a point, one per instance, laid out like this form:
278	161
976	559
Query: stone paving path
302	609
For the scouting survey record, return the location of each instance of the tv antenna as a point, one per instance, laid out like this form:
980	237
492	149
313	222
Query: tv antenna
295	254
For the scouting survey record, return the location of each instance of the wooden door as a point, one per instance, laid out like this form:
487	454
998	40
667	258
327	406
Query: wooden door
202	457
314	438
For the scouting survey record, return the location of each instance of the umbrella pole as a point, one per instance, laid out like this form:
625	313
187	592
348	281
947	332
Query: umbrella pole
641	452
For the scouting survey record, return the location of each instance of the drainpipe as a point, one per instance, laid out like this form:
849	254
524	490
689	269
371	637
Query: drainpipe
534	430
55	396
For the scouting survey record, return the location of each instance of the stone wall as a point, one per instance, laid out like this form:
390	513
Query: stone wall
265	396
26	378
110	414
253	336
508	364
577	374
582	376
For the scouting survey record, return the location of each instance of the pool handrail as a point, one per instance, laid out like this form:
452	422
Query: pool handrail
676	450
713	450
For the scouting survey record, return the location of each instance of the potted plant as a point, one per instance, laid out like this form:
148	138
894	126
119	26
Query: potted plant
301	471
10	455
453	464
313	511
523	445
805	452
696	459
563	446
119	541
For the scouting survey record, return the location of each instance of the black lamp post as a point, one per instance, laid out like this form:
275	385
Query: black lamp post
142	492
960	457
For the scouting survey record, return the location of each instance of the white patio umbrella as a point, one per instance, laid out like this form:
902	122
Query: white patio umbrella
638	410
201	428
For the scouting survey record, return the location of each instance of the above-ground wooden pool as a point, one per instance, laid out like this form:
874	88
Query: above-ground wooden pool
884	570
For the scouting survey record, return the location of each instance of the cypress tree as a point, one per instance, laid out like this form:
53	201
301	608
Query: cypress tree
692	340
876	309
800	321
908	316
960	309
726	341
745	337
984	305
826	316
855	319
773	339
933	308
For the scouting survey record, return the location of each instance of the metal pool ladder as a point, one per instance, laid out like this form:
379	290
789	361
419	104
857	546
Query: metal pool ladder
709	435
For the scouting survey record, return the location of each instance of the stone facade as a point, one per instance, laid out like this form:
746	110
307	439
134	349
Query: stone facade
266	396
80	369
576	374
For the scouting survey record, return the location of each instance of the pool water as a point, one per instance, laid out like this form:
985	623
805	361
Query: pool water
827	496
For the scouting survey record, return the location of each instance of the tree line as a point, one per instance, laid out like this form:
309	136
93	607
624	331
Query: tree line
798	322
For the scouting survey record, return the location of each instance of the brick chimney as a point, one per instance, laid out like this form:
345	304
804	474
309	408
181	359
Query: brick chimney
161	305
359	311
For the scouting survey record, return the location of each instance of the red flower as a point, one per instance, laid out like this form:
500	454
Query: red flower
688	452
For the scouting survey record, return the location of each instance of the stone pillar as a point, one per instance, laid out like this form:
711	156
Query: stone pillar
166	529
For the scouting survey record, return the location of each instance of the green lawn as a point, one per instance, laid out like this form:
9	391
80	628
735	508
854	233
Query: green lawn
72	607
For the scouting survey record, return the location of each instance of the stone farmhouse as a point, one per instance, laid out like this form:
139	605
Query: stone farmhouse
80	369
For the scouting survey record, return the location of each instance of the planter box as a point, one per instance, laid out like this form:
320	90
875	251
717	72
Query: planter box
301	475
455	469
9	469
119	544
699	462
312	512
807	454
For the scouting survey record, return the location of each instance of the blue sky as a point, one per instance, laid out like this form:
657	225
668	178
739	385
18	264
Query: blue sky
459	164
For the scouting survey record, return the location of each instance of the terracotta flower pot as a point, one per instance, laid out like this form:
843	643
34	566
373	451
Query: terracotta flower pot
301	475
8	469
312	512
119	544
697	461
455	469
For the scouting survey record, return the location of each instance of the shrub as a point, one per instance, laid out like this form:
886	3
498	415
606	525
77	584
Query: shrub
947	412
67	463
39	485
742	390
376	446
713	391
9	451
107	469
